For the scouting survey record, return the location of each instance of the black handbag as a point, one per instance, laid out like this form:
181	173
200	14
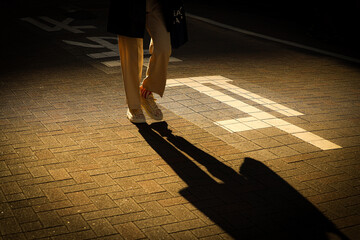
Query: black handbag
178	30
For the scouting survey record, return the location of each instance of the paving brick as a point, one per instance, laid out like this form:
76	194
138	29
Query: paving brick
350	203
44	154
17	169
31	226
245	146
79	187
328	169
127	194
48	206
267	142
24	215
154	209
103	202
5	210
75	223
129	217
218	237
102	227
156	233
37	163
103	190
352	232
262	155
78	198
86	144
151	186
46	232
126	173
112	237
39	181
283	151
183	235
150	176
145	159
207	231
38	171
185	225
337	208
127	183
81	177
103	180
59	174
311	176
288	139
202	216
296	184
17	236
3	166
65	140
49	219
174	188
129	231
279	164
104	213
347	221
98	169
10	188
271	132
155	221
54	194
181	213
9	226
315	157
32	191
63	149
152	197
172	201
128	205
345	188
304	147
166	180
4	157
87	234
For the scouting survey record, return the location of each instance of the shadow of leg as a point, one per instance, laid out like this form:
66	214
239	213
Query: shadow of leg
253	204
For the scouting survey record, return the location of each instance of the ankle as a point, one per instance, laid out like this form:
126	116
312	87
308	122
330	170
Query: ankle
135	110
144	92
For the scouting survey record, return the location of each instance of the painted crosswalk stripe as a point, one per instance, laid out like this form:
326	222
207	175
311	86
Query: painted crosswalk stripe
257	118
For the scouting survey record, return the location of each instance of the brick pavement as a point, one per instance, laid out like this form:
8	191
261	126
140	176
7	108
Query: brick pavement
72	166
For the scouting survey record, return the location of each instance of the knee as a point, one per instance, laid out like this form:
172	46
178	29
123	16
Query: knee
162	49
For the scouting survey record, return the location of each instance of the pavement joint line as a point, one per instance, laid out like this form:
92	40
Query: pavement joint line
285	42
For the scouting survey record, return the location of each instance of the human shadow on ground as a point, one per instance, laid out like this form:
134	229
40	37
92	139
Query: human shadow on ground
253	204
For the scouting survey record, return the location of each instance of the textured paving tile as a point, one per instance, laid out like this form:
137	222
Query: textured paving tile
258	154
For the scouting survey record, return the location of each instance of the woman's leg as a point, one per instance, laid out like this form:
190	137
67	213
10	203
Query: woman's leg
160	49
131	57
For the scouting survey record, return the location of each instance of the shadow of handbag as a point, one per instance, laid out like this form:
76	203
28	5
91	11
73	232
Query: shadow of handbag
178	31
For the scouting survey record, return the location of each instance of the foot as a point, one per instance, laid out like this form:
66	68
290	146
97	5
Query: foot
150	107
135	116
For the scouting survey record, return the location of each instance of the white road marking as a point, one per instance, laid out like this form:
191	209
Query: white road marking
107	42
57	26
289	43
257	118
